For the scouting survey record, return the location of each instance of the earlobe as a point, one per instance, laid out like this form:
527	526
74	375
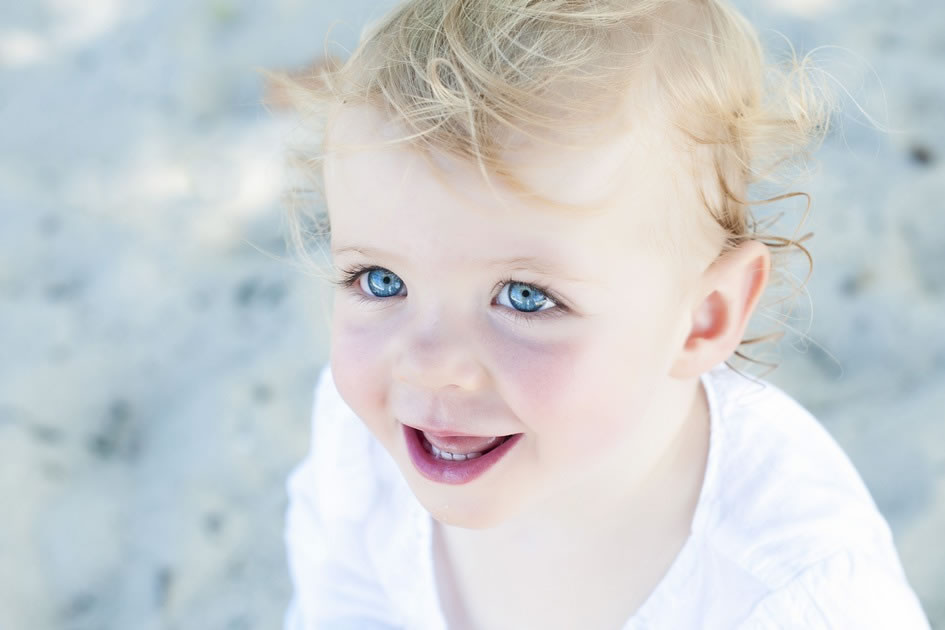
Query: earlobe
730	290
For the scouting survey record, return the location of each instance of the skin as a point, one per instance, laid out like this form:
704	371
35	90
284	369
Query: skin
604	388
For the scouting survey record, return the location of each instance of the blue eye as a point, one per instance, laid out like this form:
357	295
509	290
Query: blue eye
524	297
381	283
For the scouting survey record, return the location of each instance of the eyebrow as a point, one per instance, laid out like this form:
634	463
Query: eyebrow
530	263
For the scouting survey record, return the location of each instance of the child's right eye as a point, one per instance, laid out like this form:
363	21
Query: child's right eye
379	282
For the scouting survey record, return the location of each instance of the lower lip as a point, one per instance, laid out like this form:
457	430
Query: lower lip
452	472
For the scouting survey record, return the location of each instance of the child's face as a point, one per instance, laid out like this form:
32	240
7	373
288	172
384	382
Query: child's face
440	339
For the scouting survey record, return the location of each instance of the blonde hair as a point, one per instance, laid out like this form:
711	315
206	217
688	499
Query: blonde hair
463	75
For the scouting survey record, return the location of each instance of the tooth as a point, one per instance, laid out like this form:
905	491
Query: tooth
446	455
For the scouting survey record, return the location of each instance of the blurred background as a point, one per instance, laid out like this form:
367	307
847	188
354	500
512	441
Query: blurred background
158	357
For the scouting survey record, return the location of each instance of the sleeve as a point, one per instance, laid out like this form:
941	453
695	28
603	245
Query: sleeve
847	590
335	587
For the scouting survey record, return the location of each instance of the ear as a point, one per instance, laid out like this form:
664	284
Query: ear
728	293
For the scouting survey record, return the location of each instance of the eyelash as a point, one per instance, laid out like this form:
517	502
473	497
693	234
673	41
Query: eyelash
350	276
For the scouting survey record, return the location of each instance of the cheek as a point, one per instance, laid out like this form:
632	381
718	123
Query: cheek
357	368
567	393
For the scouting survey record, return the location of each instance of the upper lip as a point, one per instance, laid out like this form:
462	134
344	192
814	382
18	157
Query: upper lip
451	432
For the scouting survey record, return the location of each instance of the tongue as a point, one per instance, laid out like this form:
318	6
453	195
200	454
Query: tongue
462	444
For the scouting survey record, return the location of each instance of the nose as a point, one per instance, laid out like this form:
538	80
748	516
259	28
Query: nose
435	355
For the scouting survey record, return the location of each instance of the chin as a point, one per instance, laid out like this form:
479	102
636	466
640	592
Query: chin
457	512
465	519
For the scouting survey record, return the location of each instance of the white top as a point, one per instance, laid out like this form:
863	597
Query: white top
785	533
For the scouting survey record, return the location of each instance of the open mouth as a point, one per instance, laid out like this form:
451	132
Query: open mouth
444	466
443	453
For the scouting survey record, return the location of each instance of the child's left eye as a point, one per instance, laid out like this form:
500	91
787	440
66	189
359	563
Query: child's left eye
524	297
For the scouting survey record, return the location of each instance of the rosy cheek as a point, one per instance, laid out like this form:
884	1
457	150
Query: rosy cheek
539	374
357	370
563	393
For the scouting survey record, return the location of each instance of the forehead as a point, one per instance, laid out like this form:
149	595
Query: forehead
578	172
628	188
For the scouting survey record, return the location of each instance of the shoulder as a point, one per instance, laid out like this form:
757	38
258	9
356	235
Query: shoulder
846	590
785	497
331	547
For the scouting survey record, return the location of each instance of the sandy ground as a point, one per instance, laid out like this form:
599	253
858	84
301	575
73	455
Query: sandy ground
157	357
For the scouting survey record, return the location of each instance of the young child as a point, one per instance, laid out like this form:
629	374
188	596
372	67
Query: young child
541	237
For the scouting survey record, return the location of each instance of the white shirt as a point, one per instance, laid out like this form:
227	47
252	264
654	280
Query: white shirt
785	534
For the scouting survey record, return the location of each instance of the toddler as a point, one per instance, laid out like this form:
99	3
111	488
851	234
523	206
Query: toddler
544	256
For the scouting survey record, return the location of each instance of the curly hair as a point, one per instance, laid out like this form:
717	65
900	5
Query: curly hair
466	76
